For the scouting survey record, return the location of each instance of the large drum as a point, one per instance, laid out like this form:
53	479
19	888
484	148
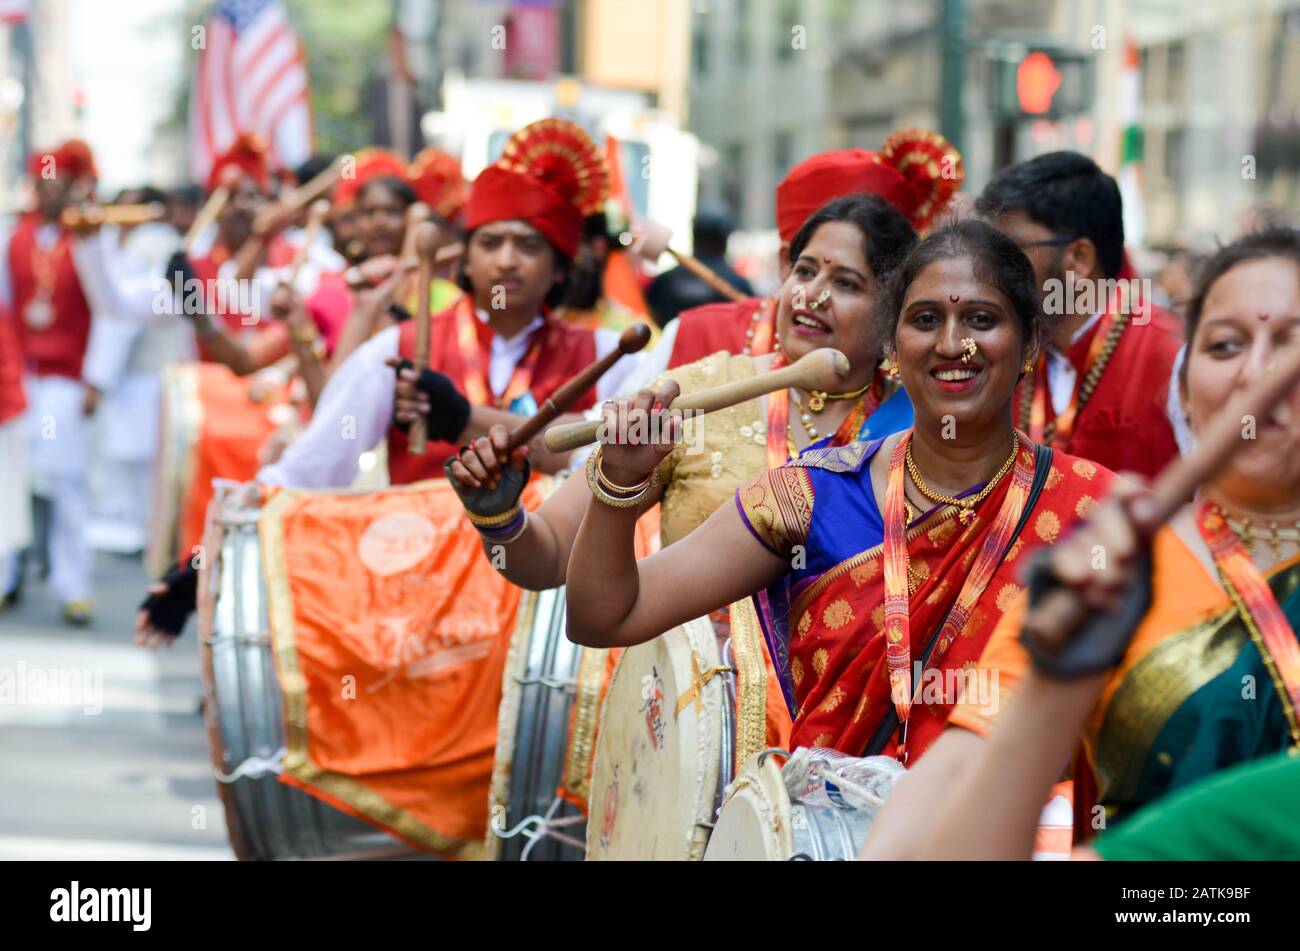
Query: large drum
266	818
664	752
549	702
818	807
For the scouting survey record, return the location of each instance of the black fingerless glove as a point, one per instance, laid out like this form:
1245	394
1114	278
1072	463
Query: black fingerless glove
448	408
488	502
169	611
1100	642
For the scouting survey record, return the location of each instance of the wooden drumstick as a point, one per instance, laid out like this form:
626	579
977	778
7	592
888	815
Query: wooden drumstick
316	216
633	339
356	276
213	207
426	246
651	240
315	188
1062	609
823	369
80	217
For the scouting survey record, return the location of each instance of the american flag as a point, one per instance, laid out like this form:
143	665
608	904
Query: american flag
252	77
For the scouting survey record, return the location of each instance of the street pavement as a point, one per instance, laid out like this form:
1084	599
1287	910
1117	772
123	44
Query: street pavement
103	753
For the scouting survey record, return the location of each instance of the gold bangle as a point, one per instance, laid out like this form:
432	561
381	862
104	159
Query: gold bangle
617	501
491	521
614	487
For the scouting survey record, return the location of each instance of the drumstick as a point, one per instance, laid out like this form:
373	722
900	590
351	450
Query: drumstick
315	188
425	245
356	275
316	216
823	369
652	240
112	215
1062	608
215	204
634	338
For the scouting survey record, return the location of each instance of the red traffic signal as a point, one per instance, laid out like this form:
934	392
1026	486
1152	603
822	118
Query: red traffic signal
1037	80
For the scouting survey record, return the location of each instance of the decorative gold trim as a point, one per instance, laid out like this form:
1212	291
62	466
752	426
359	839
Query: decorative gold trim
1270	664
581	749
297	760
751	680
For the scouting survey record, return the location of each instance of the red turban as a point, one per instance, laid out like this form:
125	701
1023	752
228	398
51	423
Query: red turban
247	155
72	159
915	171
368	163
550	175
435	176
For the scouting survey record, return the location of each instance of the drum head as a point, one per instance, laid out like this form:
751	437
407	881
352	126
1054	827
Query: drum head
754	823
656	769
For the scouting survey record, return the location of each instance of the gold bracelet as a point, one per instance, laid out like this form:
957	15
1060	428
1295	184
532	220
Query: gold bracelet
617	501
492	521
614	486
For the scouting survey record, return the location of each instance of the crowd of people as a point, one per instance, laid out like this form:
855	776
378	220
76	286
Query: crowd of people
1012	389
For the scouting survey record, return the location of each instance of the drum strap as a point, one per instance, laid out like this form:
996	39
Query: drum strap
1042	466
698	679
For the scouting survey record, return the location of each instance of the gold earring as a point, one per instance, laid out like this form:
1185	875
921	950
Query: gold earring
971	348
891	368
1029	366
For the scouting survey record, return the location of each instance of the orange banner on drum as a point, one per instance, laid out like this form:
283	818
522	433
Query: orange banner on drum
391	632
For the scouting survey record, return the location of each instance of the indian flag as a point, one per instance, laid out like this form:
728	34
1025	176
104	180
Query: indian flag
1129	115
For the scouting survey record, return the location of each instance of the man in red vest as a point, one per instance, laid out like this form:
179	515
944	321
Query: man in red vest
1101	388
496	354
53	322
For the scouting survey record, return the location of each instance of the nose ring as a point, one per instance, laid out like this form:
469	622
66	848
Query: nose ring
971	347
822	298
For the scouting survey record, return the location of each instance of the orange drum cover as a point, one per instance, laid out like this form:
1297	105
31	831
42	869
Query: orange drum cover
391	631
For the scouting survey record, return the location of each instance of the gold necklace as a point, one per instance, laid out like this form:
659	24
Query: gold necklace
804	418
966	506
817	398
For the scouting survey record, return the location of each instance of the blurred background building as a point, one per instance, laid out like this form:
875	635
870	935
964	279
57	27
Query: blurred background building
1200	98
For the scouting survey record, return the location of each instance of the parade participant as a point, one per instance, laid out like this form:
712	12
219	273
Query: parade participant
851	247
1224	608
1102	383
54	330
495	352
916	171
586	304
15	510
678	289
870	556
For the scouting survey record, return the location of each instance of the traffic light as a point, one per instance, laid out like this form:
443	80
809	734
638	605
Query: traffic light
1041	83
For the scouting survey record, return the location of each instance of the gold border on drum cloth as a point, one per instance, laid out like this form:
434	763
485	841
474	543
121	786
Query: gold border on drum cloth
592	664
751	681
297	759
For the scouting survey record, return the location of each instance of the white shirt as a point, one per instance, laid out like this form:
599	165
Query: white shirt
356	408
1061	374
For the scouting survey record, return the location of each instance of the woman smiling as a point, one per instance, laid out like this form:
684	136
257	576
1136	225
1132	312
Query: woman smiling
874	555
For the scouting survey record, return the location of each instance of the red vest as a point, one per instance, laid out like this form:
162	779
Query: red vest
705	330
58	349
565	350
12	402
1124	426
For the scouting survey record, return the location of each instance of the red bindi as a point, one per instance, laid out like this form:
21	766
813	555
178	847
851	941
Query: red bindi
826	260
954	298
1262	317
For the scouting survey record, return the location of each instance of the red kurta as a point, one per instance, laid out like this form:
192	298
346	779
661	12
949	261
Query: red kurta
58	349
704	330
565	350
1124	426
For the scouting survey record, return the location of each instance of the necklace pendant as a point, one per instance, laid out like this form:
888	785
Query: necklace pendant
964	515
817	402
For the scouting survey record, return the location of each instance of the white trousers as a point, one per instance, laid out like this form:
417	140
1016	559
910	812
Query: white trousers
56	445
15	501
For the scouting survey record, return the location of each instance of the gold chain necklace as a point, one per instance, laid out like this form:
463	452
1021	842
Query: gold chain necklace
817	398
966	506
1086	388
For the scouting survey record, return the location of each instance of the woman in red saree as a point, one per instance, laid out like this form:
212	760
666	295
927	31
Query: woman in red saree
882	566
